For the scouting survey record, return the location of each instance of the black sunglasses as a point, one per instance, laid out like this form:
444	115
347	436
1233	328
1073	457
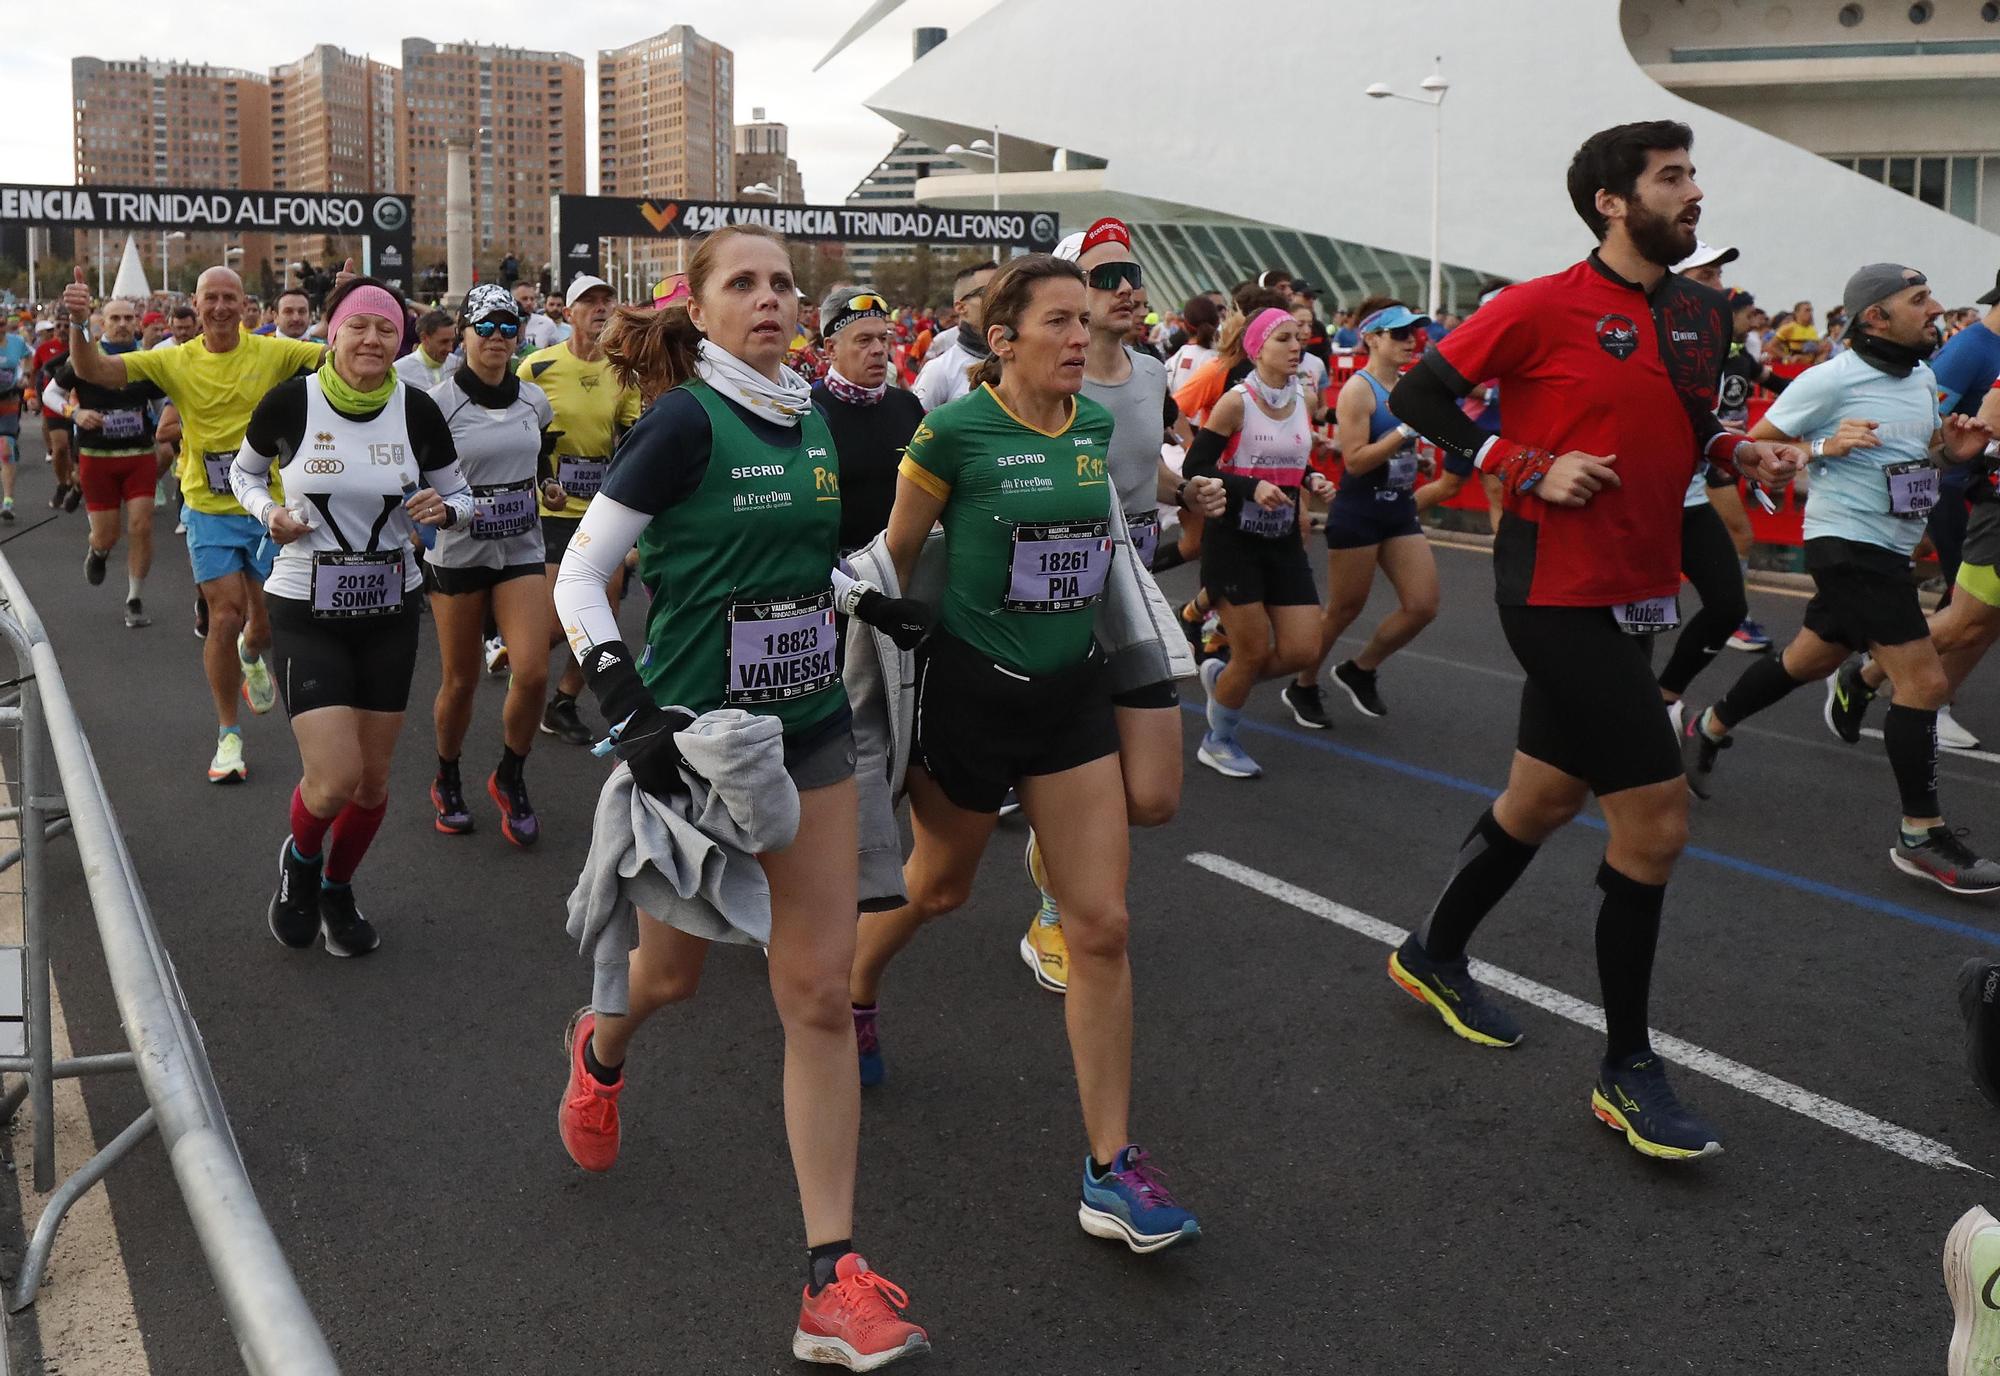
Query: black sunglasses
1108	276
1402	334
507	328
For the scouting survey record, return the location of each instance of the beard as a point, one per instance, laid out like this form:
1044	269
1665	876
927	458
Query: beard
1660	240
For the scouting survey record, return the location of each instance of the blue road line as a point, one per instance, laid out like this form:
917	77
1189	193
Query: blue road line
1714	857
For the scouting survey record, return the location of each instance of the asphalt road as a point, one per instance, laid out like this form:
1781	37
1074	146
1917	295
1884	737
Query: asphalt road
1375	1194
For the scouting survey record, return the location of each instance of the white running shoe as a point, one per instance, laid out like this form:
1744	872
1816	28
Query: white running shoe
496	656
227	767
1675	711
1971	1266
258	689
1951	735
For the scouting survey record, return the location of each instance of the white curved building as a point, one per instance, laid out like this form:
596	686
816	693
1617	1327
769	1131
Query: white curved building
1235	134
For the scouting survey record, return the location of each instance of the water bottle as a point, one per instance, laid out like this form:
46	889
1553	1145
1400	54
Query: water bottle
427	534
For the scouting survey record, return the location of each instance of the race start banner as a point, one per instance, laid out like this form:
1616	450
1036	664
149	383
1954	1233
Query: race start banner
580	222
383	220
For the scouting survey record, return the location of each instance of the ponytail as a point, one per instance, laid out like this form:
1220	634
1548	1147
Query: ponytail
653	351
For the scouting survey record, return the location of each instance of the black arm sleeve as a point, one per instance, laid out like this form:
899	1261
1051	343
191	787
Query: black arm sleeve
278	425
1426	400
1205	457
662	459
430	436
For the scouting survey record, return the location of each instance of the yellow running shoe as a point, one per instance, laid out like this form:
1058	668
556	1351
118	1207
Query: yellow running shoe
1972	1277
227	766
1038	873
258	689
1045	951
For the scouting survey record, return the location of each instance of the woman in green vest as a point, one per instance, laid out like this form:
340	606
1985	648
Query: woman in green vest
730	488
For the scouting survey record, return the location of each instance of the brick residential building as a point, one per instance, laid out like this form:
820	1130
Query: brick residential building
666	115
335	126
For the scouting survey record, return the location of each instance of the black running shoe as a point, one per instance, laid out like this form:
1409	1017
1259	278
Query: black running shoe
94	561
135	614
294	910
560	719
1943	858
1449	988
1360	687
1303	700
1979	1001
1632	1096
1698	752
1847	699
347	932
72	497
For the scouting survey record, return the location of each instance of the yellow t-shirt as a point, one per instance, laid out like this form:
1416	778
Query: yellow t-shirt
591	411
1793	337
215	394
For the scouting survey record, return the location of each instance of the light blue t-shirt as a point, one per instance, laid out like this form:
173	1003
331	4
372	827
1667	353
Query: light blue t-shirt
1850	495
14	355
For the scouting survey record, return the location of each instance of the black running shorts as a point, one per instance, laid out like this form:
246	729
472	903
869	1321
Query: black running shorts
457	582
556	533
1247	569
981	727
364	662
1591	706
1865	595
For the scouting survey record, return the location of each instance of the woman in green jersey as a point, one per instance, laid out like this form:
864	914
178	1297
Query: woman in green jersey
1012	692
729	487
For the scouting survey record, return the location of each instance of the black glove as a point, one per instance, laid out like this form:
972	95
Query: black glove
646	740
903	619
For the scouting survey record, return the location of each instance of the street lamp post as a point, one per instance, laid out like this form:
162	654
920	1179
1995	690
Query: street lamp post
164	236
760	191
1435	87
985	152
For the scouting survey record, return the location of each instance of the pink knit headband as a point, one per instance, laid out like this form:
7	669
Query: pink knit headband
364	301
1260	329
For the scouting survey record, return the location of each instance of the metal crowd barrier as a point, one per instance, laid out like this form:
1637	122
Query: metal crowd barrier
275	1332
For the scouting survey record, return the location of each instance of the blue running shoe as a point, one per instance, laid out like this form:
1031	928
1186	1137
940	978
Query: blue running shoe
1632	1096
1448	987
1749	637
1227	757
1131	1204
869	1044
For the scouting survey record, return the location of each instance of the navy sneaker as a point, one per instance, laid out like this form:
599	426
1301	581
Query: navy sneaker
1632	1096
869	1044
1698	752
1448	986
1131	1204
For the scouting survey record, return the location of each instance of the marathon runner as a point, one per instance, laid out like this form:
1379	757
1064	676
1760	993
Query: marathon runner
944	374
114	439
215	381
1609	372
1371	521
1871	415
1012	690
591	412
17	383
436	358
492	566
1966	369
58	431
737	426
1203	318
370	462
1258	440
871	421
1132	386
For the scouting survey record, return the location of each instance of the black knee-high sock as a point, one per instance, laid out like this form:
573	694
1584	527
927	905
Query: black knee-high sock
1489	861
1628	931
1910	734
1761	685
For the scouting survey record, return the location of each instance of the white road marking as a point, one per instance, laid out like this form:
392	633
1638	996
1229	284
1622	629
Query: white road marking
1986	755
1888	1136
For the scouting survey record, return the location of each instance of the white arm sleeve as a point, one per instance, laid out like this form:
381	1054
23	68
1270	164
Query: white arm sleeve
54	399
250	480
596	553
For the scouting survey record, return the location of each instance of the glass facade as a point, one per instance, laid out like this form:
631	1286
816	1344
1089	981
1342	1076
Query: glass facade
1185	259
1949	182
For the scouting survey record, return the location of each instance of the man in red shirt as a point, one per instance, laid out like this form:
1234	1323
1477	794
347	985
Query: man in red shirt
57	431
1610	371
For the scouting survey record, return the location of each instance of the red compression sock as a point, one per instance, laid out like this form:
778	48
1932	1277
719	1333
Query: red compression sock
308	831
353	830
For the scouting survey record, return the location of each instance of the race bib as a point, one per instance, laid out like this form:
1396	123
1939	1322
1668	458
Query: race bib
126	425
1058	568
581	477
781	650
1403	472
1270	522
1145	535
503	510
349	585
1913	489
216	466
1648	617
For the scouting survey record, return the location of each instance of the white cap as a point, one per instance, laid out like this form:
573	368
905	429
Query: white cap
44	326
1706	255
585	282
1071	248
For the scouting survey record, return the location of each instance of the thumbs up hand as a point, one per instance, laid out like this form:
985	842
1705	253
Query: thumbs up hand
345	275
76	297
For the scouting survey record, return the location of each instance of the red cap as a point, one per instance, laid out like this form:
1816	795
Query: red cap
1106	231
152	318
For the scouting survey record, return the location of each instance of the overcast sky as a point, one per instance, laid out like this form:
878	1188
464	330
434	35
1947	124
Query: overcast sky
835	139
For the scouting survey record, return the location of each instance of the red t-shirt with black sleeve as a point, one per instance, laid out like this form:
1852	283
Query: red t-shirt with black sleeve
1589	361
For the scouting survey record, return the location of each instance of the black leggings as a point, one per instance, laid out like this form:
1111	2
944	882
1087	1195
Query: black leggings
1708	558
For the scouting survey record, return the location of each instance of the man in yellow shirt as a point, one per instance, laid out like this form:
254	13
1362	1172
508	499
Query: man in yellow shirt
215	381
591	412
1798	338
